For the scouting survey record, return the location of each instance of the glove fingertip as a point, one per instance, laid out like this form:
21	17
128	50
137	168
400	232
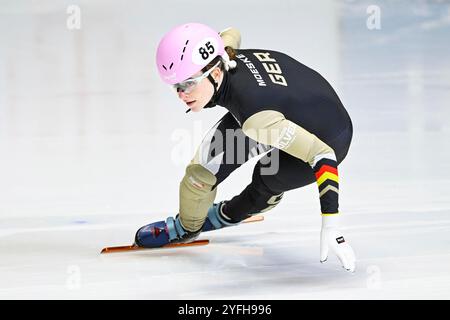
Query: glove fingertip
324	254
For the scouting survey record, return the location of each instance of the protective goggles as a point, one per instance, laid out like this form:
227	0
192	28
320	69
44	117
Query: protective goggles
189	85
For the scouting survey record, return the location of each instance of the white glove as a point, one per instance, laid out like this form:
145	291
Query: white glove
332	239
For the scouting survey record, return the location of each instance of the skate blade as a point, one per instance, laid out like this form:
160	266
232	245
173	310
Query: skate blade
170	245
253	219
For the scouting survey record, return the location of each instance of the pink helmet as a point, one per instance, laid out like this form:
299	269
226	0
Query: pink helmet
187	49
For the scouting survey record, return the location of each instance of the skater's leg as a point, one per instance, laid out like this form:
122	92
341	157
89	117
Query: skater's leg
223	150
267	186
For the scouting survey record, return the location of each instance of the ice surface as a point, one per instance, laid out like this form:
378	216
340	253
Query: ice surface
93	146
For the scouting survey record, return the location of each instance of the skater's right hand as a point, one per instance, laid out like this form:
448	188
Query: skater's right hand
331	238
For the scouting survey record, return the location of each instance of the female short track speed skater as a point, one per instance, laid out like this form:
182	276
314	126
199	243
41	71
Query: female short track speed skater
276	106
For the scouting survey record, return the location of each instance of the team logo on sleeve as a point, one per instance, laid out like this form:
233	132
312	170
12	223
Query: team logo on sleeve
287	135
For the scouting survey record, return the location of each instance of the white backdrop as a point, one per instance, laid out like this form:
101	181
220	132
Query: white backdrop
86	124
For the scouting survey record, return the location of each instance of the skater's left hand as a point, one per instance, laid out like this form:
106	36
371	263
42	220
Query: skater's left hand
332	239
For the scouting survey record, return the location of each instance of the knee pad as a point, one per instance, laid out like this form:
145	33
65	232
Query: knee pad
196	196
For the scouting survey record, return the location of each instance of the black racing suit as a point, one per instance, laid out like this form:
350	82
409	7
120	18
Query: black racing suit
267	90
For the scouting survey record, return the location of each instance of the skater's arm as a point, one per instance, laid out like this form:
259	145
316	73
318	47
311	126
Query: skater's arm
231	38
272	128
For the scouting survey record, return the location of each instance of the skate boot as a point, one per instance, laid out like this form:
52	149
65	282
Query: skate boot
216	218
161	233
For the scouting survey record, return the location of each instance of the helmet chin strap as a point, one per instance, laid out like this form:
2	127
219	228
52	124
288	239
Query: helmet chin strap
212	101
215	84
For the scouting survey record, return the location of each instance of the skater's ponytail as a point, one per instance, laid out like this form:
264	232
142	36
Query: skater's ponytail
231	53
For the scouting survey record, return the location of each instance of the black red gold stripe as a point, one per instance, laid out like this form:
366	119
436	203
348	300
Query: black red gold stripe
327	177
